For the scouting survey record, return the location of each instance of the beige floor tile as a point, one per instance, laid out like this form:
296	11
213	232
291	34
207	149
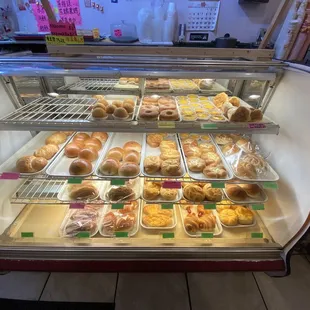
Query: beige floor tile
22	285
80	287
224	291
152	291
287	293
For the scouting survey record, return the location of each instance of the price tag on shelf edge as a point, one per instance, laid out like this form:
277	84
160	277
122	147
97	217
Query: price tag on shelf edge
211	206
257	207
208	126
75	181
166	124
218	185
76	205
207	235
9	176
257	235
27	234
270	185
256	126
121	234
117	206
83	234
117	182
172	184
168	235
167	206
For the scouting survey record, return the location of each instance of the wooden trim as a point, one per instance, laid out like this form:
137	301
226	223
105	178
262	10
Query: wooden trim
188	52
49	12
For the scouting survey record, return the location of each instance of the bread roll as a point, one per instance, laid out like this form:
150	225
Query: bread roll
99	112
228	217
128	170
235	192
80	167
154	140
132	157
171	167
30	164
132	145
72	150
46	151
115	153
152	164
56	138
93	142
193	193
102	136
240	114
88	153
81	137
109	167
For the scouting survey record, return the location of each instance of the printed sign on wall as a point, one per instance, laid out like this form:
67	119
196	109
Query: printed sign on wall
41	17
69	11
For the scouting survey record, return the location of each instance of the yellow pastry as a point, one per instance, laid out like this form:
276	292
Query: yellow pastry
170	154
245	216
220	208
167	144
184	136
220	99
193	193
205	138
151	209
228	217
157	220
168	194
151	190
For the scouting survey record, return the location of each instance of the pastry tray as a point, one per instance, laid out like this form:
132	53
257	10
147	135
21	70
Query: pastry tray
154	95
199	176
194	89
61	164
216	232
249	200
157	90
126	86
34	145
239	225
137	188
155	151
174	217
204	201
160	199
118	140
110	99
131	232
67	220
63	194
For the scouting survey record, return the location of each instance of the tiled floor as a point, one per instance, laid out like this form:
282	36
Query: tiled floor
192	291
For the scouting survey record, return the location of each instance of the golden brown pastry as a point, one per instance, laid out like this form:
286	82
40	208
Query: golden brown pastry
193	193
171	167
128	169
88	153
83	191
211	158
117	103
170	154
223	139
168	194
191	223
212	194
132	157
99	112
230	149
245	216
109	167
235	192
157	220
240	114
154	139
245	169
207	221
128	107
30	164
81	135
235	101
226	107
220	208
93	142
56	138
68	133
228	217
121	193
252	190
80	167
120	113
47	151
151	209
220	99
256	160
192	151
102	136
207	147
152	164
72	149
189	142
167	144
256	115
132	146
115	153
129	101
195	164
110	109
151	190
218	172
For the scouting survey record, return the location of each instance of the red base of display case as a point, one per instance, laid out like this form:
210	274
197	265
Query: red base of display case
140	266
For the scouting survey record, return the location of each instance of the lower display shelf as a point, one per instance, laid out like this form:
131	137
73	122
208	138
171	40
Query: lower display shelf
37	224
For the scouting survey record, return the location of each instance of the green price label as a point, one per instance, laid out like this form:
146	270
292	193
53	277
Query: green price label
258	207
75	181
257	235
117	206
208	126
83	234
167	206
117	182
168	235
27	234
121	234
207	235
270	185
211	206
218	185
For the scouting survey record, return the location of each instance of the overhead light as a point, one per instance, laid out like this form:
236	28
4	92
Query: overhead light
53	94
254	97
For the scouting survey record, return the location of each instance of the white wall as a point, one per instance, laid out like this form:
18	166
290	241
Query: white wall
242	22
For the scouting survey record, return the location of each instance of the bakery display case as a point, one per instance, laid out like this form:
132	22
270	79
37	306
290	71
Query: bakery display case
151	163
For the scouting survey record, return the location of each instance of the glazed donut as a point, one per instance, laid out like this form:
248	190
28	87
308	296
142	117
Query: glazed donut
169	106
169	115
149	114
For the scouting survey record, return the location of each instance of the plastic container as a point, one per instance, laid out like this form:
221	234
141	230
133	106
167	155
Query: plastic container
145	19
123	32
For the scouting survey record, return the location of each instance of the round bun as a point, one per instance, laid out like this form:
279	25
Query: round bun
129	101
117	103
56	138
101	105
72	150
110	109
115	153
109	167
228	217
120	113
194	193
88	153
132	157
98	112
103	101
98	97
236	192
30	164
81	136
128	170
102	136
132	145
235	101
252	190
93	142
80	167
128	107
171	167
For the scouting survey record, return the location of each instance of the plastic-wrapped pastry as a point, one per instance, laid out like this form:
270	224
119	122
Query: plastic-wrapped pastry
245	169
83	191
218	172
120	193
257	161
193	193
223	139
245	145
256	115
74	227
230	149
245	216
240	114
228	217
171	167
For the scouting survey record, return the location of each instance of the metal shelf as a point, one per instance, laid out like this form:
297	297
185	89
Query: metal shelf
93	86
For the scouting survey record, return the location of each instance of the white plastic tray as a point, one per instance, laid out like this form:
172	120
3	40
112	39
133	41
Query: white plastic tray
239	225
63	194
34	145
137	188
155	151
118	140
199	175
131	232
216	232
61	164
174	217
161	200
110	99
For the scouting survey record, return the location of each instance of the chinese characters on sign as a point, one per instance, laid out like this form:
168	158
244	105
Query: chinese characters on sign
41	17
64	40
69	11
62	29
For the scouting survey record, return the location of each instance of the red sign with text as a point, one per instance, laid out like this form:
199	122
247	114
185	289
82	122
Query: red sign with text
69	11
62	29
